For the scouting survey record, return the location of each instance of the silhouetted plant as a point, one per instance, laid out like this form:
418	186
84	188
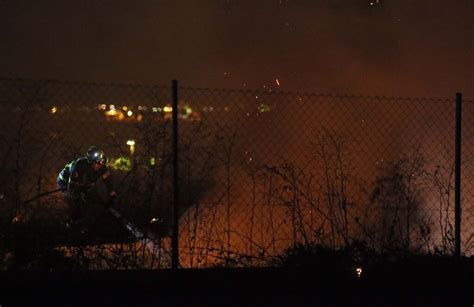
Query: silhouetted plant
442	180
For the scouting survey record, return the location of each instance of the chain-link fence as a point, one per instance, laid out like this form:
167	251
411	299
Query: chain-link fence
259	173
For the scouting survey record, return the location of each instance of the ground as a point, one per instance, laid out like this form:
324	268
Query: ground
409	283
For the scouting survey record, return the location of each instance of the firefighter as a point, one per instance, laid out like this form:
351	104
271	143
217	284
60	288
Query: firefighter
79	177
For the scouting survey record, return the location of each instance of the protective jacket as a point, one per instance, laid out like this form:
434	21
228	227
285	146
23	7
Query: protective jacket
79	176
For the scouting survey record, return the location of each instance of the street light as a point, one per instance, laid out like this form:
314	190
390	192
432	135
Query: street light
131	143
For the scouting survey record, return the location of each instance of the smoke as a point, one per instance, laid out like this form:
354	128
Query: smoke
421	48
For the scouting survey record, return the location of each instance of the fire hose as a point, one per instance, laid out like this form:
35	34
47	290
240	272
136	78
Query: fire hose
150	241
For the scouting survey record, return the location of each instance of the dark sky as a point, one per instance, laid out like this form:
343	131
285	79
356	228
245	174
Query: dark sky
393	47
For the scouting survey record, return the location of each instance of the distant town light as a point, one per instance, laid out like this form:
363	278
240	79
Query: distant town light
129	113
54	110
120	163
264	108
188	110
168	109
125	108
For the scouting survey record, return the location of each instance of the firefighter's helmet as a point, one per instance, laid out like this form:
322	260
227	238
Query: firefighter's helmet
95	154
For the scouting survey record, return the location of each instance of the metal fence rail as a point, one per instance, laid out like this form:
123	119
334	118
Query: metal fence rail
259	171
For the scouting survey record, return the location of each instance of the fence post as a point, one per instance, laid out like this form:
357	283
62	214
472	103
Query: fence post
175	237
457	178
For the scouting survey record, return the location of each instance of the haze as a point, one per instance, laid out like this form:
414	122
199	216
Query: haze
399	48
